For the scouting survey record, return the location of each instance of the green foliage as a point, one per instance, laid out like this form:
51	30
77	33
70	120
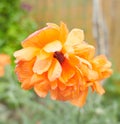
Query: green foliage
14	25
113	84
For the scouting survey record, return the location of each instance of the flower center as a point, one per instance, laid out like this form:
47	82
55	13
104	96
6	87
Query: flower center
59	56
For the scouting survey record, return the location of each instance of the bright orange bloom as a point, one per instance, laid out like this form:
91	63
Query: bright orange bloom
60	62
4	60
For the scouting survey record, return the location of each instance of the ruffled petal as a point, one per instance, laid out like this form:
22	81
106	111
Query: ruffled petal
98	88
43	55
75	37
72	81
61	86
102	66
24	73
63	32
101	62
106	73
42	65
67	93
81	100
37	78
84	61
84	51
53	25
26	84
55	70
53	46
62	29
26	53
41	37
89	74
54	94
42	88
74	61
67	72
54	84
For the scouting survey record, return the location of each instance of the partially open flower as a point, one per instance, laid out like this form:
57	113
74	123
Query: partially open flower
56	61
4	60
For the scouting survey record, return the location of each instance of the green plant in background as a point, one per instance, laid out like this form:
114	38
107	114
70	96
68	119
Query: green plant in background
113	84
14	25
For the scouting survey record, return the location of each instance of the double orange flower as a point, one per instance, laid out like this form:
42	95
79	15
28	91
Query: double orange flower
56	61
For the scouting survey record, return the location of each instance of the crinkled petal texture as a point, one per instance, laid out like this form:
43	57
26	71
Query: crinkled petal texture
56	61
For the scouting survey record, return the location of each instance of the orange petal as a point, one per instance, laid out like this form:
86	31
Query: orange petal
90	74
101	61
55	70
85	51
41	37
53	46
54	94
78	61
74	61
43	55
67	93
76	91
99	88
72	81
61	86
68	49
41	65
107	73
24	72
102	66
53	25
67	72
75	37
36	78
26	53
4	59
81	100
26	85
84	61
42	88
53	84
63	32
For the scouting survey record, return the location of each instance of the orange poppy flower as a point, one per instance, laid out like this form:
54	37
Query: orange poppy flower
4	60
56	61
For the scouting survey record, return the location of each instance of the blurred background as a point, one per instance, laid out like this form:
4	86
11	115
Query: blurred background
100	20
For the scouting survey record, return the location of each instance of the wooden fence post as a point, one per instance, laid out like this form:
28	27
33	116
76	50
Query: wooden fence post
100	30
